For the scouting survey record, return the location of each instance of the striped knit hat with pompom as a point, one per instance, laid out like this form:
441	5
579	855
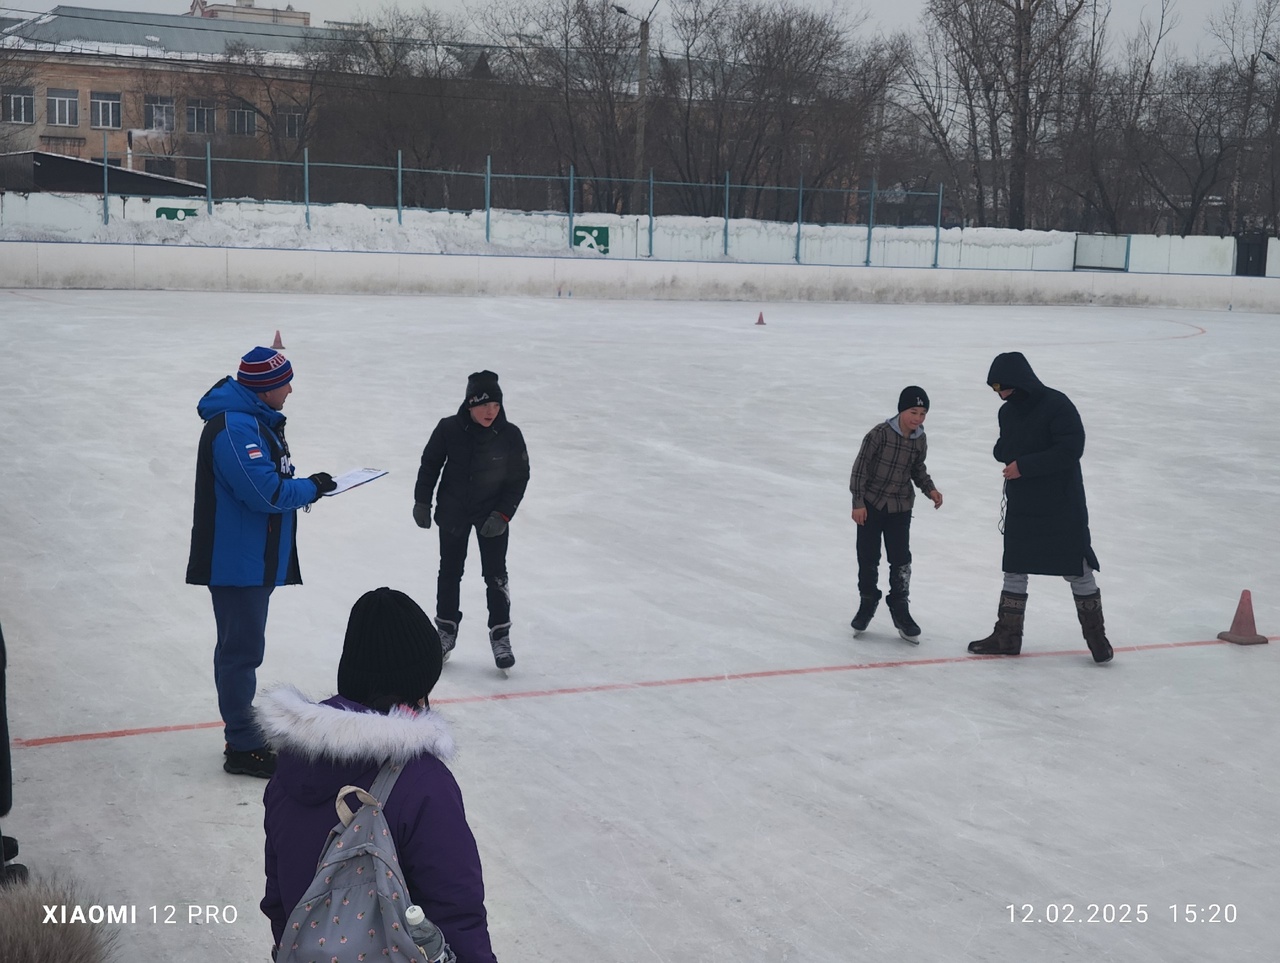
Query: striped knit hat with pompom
264	369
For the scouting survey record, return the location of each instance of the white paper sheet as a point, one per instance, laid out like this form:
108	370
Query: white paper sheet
353	478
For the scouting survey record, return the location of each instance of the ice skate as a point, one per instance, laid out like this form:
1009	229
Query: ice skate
500	642
448	632
904	623
899	594
866	610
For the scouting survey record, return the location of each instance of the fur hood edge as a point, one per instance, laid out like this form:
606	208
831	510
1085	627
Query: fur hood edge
293	723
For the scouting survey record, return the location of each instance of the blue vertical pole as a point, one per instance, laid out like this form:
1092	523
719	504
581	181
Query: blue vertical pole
488	193
400	187
937	227
726	213
306	183
650	212
106	213
571	207
871	221
208	176
799	215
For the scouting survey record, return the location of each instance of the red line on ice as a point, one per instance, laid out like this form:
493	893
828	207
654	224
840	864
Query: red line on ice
651	684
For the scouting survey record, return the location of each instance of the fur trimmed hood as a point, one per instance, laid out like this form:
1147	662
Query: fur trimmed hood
344	732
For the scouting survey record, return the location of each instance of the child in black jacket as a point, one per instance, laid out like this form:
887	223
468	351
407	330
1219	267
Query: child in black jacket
480	461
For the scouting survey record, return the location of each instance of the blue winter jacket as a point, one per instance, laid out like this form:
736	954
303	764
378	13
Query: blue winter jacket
244	527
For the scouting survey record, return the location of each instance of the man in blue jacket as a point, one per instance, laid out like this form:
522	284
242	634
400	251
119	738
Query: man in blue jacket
243	534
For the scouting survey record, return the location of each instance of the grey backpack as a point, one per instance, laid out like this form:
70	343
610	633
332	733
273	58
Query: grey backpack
354	908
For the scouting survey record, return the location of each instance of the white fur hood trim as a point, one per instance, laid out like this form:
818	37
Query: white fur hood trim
293	723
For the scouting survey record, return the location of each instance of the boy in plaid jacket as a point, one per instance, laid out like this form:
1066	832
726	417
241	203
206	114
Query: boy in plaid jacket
890	461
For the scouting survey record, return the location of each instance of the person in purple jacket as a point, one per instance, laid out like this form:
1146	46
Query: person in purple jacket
391	660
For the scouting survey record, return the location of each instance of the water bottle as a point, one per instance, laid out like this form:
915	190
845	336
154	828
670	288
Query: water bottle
428	936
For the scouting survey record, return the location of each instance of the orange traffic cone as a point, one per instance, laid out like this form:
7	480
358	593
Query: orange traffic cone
1243	631
277	343
760	320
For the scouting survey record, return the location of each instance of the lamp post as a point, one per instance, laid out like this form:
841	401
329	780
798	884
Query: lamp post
642	87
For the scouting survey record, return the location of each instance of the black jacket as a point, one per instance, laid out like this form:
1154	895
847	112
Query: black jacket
484	469
1046	525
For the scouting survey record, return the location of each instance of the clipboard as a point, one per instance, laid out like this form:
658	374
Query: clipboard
354	479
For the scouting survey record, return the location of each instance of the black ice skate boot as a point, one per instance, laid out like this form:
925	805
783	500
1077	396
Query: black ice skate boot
1006	637
899	592
866	610
1089	611
448	632
500	642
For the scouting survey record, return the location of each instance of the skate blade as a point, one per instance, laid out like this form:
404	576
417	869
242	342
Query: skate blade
858	632
913	639
506	673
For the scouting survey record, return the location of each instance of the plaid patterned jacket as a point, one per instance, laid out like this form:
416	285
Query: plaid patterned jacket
886	467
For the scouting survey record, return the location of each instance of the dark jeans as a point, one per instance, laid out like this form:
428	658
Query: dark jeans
493	565
241	615
895	529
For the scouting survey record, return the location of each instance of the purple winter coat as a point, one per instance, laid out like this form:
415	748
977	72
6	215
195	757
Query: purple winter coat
325	746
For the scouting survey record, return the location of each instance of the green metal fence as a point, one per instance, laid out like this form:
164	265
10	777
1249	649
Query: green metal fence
571	195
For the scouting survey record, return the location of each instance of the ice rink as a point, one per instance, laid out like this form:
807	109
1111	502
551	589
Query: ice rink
693	759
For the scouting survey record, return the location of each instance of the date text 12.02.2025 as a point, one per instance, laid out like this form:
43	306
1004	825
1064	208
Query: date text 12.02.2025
1120	913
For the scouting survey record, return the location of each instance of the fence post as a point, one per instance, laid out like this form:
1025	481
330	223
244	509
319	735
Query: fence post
1128	244
400	187
306	183
871	221
799	215
650	212
106	213
488	193
726	213
570	207
937	227
208	176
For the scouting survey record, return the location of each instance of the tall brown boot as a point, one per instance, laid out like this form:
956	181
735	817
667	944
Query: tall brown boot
1089	611
1006	637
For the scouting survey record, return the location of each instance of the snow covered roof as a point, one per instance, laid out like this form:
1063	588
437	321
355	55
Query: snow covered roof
82	30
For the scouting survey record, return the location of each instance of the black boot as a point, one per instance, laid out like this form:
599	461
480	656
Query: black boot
866	610
899	593
1089	612
1006	637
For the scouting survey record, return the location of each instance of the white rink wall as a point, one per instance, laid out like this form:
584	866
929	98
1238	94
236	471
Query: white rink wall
60	241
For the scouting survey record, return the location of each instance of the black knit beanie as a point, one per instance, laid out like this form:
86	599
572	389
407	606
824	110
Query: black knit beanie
913	397
482	388
391	654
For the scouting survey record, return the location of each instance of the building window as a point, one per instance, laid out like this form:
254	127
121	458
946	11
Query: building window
290	124
157	112
200	117
64	108
104	110
242	120
18	105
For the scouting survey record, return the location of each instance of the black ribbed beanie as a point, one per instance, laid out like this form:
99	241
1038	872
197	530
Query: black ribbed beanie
391	653
482	388
913	397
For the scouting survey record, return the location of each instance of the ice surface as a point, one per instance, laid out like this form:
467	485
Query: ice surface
697	762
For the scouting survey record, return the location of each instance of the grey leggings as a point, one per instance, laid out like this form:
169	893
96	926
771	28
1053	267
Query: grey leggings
1082	584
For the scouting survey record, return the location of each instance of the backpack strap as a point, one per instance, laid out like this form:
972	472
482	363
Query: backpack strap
376	795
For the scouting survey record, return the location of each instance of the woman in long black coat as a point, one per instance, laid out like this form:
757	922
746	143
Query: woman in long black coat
1046	520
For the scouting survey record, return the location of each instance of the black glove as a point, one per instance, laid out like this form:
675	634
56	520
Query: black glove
422	514
495	524
324	483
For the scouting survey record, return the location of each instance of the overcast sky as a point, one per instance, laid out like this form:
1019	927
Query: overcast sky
888	15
